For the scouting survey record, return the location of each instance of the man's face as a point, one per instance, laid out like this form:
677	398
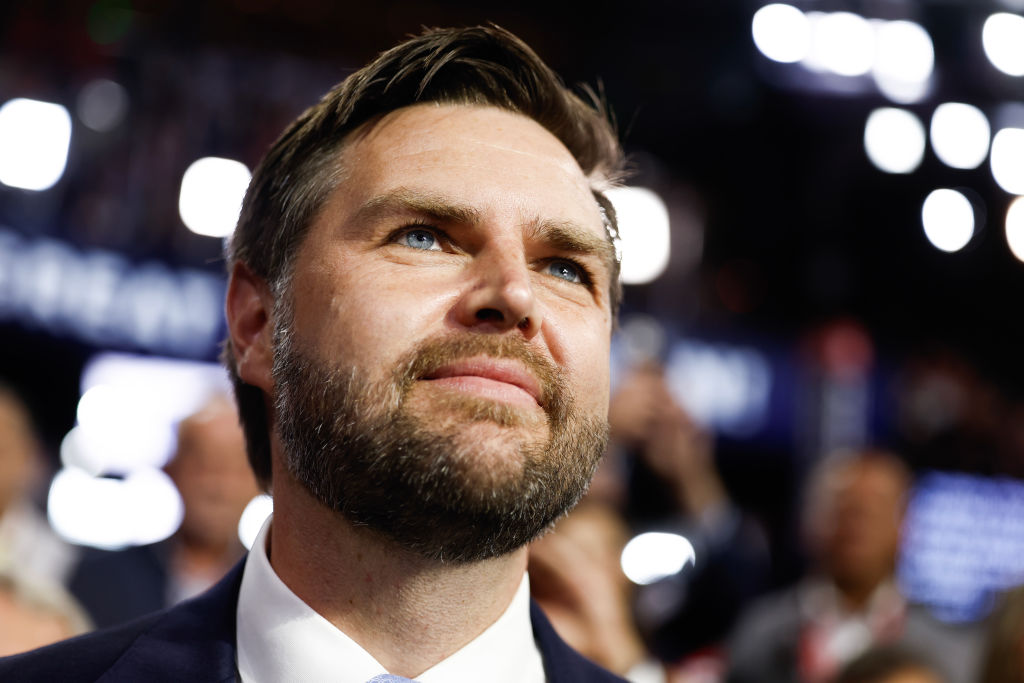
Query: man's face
441	360
859	521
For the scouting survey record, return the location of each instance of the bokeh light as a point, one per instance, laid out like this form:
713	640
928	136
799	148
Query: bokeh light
841	42
904	60
253	517
894	140
655	555
1007	159
781	32
142	508
1002	36
102	105
1015	228
111	492
34	141
644	228
130	406
211	196
960	135
948	219
119	430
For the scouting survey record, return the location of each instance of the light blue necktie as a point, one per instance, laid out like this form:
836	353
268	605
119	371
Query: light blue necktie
389	678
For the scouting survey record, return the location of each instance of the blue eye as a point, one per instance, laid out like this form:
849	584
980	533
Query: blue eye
420	239
566	270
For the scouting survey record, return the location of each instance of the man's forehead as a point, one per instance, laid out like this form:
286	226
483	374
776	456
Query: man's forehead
483	125
429	137
464	133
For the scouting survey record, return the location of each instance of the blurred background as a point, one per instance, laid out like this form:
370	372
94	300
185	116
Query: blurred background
823	246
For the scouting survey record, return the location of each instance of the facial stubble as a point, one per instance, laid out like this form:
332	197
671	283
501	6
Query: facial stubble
451	477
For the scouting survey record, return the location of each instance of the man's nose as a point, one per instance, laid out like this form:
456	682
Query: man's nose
501	295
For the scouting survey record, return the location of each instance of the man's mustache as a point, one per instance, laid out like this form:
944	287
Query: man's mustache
432	354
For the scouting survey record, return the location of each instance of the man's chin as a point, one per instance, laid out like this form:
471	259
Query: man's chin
455	410
486	449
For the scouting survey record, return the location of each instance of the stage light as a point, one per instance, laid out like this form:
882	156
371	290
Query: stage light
904	60
1015	228
644	228
894	140
34	141
841	42
143	508
1007	159
211	195
654	556
130	407
948	219
253	517
102	104
1003	39
120	430
960	135
75	453
726	389
781	32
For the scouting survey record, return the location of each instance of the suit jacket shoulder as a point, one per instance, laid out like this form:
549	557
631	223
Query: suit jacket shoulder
195	642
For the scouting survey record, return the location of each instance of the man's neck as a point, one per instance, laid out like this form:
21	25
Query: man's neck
408	612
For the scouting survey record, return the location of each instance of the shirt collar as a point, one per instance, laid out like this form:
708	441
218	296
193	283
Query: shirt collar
819	600
281	638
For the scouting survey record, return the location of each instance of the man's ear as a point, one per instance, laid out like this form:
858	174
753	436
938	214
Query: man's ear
249	307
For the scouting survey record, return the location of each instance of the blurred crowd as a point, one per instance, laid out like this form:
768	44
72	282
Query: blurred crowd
50	589
728	615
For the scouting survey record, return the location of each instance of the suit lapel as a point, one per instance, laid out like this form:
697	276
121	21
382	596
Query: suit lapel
192	642
562	664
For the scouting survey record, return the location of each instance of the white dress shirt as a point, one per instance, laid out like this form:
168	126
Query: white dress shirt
280	639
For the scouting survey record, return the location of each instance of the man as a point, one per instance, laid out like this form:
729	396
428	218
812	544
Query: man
422	288
853	519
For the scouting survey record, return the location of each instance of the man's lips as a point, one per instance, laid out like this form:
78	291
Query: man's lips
499	379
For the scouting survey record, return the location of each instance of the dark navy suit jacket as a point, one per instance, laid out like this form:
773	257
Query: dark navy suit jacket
194	642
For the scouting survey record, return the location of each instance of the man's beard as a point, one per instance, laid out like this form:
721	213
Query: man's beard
420	480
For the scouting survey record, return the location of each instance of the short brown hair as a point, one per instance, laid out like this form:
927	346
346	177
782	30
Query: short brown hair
477	66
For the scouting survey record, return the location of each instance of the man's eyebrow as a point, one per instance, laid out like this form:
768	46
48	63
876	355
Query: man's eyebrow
565	236
406	201
569	237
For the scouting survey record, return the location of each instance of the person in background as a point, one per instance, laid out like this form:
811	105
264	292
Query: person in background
852	517
677	489
212	475
889	664
34	613
27	542
576	577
